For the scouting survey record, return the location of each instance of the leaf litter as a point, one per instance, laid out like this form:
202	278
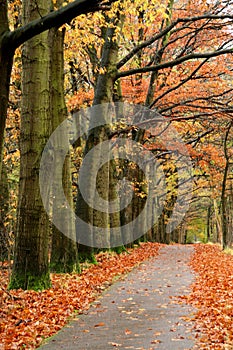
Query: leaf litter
212	296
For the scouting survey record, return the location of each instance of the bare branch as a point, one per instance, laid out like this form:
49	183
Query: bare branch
173	63
179	84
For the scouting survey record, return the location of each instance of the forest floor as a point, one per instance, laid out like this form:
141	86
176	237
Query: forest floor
180	297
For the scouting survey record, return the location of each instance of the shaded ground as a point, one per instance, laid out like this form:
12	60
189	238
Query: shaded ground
139	312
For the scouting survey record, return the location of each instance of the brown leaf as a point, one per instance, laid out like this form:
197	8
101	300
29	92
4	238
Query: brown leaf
101	324
156	341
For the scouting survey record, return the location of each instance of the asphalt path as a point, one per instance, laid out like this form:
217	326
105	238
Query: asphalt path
139	312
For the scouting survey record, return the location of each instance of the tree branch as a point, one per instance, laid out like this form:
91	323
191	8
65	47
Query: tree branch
179	84
54	19
173	63
157	36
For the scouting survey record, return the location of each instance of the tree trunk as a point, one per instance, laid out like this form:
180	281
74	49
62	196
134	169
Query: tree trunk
217	222
6	62
4	198
208	227
31	268
64	256
230	217
224	192
104	91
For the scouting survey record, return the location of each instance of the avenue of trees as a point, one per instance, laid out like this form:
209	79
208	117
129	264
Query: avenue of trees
172	57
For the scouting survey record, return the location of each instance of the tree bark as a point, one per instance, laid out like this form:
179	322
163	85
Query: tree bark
217	222
4	198
208	227
224	220
6	62
64	257
104	92
31	266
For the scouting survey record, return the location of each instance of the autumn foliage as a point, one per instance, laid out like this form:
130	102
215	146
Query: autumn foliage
195	96
212	296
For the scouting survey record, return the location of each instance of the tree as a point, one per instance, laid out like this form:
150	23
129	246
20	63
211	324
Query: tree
103	94
64	256
31	269
12	39
131	45
183	58
4	204
226	240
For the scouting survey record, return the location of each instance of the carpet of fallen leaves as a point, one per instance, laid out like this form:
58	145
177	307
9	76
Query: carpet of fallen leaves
212	295
28	317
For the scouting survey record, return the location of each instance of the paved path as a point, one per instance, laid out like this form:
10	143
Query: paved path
137	312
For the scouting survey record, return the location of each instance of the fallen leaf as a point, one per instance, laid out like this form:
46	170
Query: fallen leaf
101	324
156	341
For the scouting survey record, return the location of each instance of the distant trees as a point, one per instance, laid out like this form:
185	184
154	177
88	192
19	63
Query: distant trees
175	66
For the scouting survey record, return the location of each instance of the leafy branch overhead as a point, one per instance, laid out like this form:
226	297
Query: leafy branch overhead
53	19
169	28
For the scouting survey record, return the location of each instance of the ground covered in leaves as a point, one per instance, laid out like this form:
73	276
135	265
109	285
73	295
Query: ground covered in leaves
27	317
212	295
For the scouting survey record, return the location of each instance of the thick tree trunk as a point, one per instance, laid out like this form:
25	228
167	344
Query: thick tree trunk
31	269
103	94
64	250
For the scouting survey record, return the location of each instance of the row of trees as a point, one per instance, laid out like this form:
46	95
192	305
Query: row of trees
173	57
31	268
